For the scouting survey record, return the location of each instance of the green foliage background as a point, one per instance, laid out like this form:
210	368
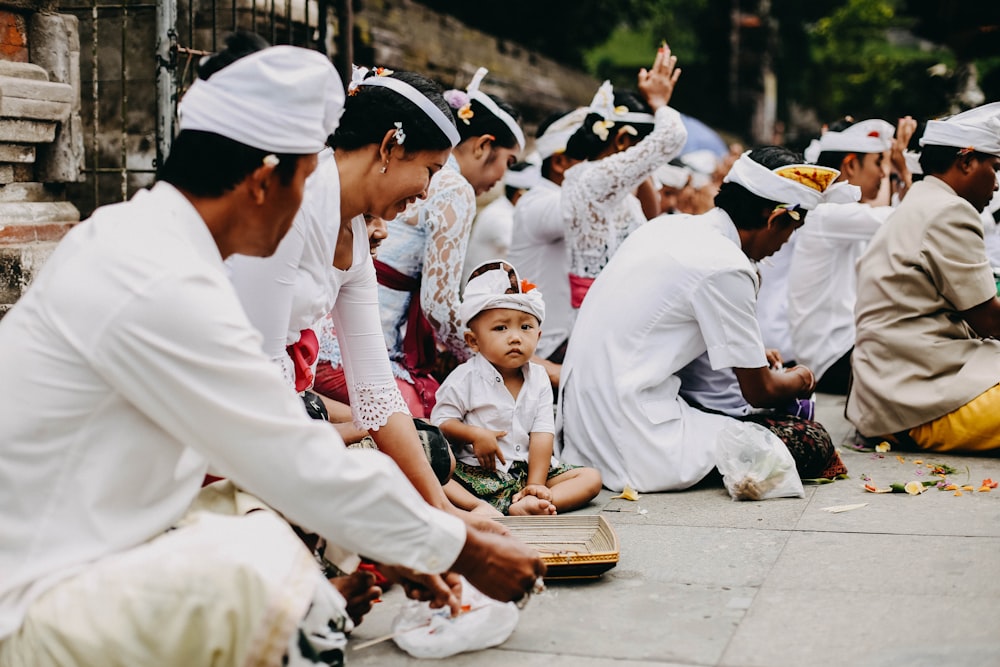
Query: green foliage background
865	58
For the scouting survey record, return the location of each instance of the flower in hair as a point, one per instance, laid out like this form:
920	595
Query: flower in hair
399	135
358	75
601	127
526	286
967	150
456	99
383	71
466	113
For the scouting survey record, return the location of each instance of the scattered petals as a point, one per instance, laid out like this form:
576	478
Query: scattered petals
951	487
901	459
958	493
874	489
914	488
985	489
968	487
918	462
990	483
628	493
883	447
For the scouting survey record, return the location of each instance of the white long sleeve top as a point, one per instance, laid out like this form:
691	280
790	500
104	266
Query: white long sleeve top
296	287
129	367
598	205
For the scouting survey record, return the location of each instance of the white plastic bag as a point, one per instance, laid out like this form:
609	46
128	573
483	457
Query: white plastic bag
755	464
432	633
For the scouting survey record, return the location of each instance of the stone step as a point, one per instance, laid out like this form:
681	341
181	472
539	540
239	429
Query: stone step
27	131
22	70
32	89
16	107
18	218
20	153
26	192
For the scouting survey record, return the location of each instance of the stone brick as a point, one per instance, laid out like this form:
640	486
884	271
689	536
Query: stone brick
18	235
22	214
26	192
32	89
17	153
22	70
15	107
26	131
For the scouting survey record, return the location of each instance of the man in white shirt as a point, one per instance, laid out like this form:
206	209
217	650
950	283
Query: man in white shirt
678	288
130	369
822	278
494	224
538	246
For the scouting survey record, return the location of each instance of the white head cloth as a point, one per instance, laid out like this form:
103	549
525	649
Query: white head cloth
604	104
557	135
486	101
812	151
978	129
866	136
671	176
765	183
445	123
493	289
523	179
283	99
913	162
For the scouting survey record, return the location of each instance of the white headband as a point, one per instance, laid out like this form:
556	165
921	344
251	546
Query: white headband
768	184
431	110
282	99
523	179
604	104
672	177
484	99
867	136
557	135
491	288
978	129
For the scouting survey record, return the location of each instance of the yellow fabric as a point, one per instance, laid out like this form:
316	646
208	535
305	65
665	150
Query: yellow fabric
974	427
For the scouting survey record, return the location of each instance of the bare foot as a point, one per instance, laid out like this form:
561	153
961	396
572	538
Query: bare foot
360	591
531	505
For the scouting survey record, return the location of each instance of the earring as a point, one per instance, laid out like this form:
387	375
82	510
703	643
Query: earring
384	167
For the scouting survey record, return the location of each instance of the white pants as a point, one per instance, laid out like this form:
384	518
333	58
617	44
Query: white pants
219	590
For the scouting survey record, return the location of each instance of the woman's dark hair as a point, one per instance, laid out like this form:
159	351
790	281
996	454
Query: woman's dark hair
543	126
206	164
747	210
371	111
483	121
585	145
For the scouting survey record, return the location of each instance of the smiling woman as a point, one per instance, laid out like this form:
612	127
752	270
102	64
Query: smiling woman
395	133
420	263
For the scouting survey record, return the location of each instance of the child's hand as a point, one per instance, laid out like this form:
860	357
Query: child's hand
537	490
487	449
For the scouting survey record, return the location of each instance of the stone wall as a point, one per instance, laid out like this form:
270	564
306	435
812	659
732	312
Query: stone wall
41	144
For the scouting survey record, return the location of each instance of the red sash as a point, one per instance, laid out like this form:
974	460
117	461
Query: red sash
419	346
578	288
304	353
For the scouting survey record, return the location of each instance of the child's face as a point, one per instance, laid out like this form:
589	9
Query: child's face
506	337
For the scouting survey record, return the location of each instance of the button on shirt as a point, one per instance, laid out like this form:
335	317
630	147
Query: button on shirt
129	367
474	393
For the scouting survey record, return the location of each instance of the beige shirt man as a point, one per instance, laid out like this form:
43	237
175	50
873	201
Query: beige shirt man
916	359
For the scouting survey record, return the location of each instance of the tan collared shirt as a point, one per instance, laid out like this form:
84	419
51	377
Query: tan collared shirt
915	358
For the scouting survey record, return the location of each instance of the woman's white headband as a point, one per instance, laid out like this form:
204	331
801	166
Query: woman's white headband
444	123
484	99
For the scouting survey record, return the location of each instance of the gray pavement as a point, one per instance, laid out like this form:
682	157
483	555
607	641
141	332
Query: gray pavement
904	580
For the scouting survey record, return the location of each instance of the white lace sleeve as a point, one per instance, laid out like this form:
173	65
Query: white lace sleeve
595	194
447	215
370	383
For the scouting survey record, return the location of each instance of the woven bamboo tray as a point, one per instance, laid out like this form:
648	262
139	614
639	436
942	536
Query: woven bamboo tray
572	546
